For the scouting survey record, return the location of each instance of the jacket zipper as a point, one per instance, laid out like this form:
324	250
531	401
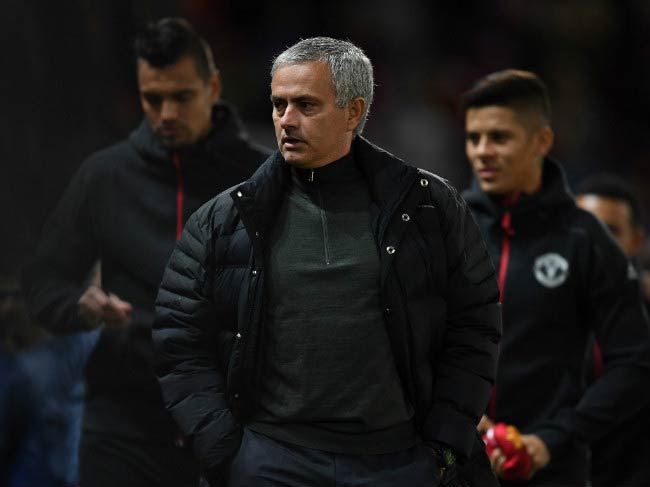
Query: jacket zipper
180	195
323	217
508	232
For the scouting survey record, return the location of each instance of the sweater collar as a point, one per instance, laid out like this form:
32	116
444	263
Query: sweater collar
341	171
387	177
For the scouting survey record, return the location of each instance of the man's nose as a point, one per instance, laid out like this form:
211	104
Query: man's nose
169	110
289	117
484	147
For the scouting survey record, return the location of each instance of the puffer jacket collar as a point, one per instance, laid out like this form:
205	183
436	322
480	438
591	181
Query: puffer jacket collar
387	176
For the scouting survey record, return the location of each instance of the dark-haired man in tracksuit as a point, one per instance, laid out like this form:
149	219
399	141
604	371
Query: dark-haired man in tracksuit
561	276
126	207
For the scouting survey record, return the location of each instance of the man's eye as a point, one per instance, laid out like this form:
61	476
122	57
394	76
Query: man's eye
153	100
472	138
499	137
182	97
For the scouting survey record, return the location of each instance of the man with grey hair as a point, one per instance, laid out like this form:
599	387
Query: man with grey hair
333	320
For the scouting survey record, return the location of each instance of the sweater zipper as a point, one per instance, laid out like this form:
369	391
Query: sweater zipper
180	195
508	232
323	216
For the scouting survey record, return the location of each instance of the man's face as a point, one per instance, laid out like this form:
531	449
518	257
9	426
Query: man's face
617	216
311	130
505	154
177	101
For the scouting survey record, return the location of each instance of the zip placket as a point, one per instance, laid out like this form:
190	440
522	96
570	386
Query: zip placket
180	196
323	216
508	232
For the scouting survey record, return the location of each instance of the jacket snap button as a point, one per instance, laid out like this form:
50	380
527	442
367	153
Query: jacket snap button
387	311
424	183
239	194
390	249
406	217
236	395
257	234
238	336
254	272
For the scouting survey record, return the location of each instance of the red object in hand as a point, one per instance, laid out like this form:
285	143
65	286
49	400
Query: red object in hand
507	438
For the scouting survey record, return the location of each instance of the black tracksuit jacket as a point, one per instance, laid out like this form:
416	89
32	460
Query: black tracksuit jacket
438	291
125	207
562	277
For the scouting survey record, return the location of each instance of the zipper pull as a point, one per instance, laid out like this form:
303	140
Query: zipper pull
506	221
506	218
310	178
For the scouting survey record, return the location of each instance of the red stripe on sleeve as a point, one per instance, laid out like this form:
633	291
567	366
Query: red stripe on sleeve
179	195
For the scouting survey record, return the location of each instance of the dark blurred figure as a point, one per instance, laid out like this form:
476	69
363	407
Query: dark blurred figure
621	457
125	207
562	278
41	400
643	261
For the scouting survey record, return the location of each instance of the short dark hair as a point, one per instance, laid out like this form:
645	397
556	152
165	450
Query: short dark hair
510	88
166	41
611	186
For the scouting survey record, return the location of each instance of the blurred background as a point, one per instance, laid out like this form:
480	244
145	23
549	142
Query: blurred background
69	87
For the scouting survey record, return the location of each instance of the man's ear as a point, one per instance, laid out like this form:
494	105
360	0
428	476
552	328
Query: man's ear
215	87
355	110
545	139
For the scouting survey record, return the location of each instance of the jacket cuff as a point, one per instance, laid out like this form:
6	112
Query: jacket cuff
447	426
74	323
214	449
555	440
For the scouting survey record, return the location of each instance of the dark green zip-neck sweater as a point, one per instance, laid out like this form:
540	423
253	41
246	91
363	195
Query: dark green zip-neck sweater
329	379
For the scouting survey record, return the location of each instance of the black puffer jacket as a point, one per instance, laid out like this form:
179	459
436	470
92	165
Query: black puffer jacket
563	278
438	291
124	207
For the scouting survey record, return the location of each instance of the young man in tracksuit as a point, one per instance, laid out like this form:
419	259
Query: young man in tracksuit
333	320
125	208
562	277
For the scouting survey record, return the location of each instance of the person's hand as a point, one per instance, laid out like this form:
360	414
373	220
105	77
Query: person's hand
484	425
95	307
535	447
497	459
537	450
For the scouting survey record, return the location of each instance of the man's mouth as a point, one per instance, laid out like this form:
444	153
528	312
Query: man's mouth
170	131
289	142
487	173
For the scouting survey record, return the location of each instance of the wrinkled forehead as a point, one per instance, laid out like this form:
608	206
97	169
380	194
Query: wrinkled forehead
301	79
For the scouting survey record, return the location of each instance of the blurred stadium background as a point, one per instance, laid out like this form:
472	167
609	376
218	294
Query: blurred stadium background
69	88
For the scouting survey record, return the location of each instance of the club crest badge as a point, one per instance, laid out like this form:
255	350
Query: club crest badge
551	270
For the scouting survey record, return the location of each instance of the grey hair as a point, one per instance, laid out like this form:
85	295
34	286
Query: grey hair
350	68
